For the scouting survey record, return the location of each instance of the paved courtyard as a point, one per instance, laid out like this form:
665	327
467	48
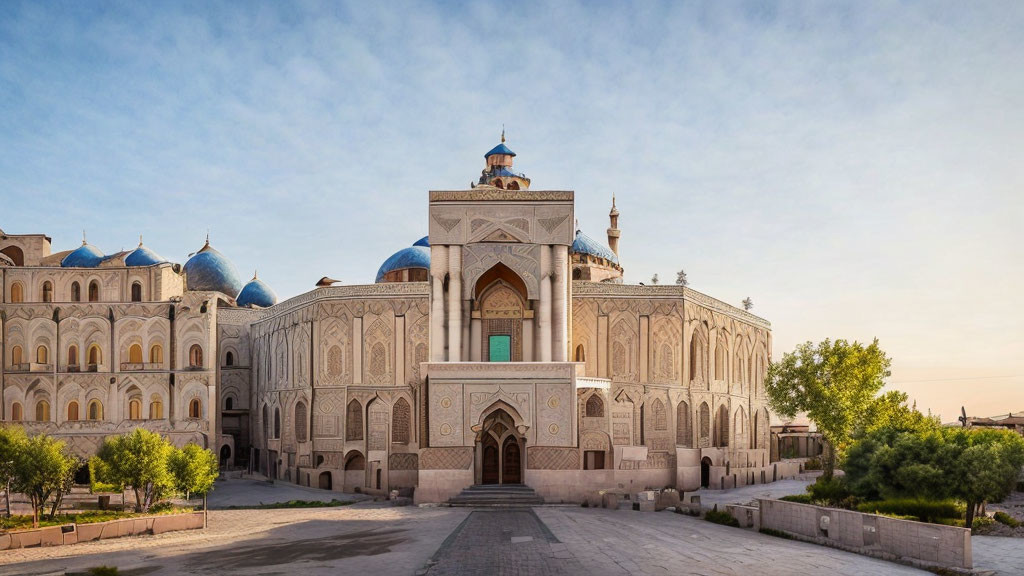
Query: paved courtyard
375	538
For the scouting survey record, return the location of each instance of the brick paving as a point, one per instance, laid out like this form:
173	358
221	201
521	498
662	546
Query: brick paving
503	542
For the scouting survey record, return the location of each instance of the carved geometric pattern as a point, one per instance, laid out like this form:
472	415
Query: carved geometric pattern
401	421
660	418
301	422
705	426
549	458
620	433
354	421
403	461
655	461
457	458
683	431
378	428
595	407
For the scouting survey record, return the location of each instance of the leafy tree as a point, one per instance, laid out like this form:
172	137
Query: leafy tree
654	279
12	440
194	470
748	303
890	410
975	466
681	278
835	383
43	469
139	460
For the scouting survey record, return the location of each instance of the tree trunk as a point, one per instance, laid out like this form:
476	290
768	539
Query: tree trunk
56	503
969	522
138	499
35	510
828	462
8	495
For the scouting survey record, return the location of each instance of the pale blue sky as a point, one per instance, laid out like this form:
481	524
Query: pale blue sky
855	169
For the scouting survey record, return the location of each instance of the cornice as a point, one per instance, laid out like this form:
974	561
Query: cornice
497	194
664	292
368	291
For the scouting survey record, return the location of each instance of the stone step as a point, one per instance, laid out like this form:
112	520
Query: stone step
497	495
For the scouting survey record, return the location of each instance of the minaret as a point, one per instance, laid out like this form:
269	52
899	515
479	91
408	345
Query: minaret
613	231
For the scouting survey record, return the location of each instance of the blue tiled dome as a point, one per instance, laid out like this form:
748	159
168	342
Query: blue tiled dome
142	256
85	256
584	244
411	257
499	149
211	270
256	293
425	241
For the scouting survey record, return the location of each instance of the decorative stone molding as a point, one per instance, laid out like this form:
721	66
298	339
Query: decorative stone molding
497	194
609	290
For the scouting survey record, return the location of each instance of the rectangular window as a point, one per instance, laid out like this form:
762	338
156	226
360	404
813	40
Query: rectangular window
500	348
593	460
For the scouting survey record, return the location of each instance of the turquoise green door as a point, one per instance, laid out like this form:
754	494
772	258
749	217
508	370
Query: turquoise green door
500	348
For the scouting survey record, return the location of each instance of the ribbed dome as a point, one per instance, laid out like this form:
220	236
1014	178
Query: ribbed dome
256	293
584	244
209	270
411	257
425	241
142	256
85	256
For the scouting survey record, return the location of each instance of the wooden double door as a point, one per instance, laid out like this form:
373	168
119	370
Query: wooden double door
501	464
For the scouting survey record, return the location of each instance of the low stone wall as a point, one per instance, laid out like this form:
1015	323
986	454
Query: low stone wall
74	533
928	545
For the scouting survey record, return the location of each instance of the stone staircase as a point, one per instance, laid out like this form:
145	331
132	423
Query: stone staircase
497	496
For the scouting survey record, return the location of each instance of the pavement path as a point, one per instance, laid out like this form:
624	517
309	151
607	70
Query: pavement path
251	491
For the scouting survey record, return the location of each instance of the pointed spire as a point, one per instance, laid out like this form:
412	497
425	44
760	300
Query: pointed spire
256	274
140	240
83	238
503	133
207	236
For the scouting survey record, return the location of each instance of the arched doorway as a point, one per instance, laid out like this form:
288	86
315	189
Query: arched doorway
325	480
225	454
500	306
499	450
705	472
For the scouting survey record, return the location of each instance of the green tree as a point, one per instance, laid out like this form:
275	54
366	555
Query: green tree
835	383
890	410
193	469
987	466
139	460
43	469
12	441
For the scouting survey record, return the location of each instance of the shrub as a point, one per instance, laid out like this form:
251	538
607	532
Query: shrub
1004	518
723	518
813	464
833	491
922	510
798	498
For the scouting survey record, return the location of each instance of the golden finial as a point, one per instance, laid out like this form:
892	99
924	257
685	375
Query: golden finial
207	236
255	273
83	238
140	240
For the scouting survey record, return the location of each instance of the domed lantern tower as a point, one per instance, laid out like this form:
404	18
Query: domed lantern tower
499	172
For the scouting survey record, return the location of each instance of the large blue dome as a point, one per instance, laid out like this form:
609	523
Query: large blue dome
425	241
142	256
256	293
85	256
411	257
584	244
209	270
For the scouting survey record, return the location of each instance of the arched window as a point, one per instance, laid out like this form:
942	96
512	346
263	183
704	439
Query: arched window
156	354
229	403
660	417
195	356
94	291
95	410
266	421
705	425
722	427
42	411
277	422
156	408
42	355
195	409
683	424
401	419
76	292
354	421
16	412
301	425
136	292
95	355
73	355
135	408
16	355
595	407
17	293
581	355
229	359
720	360
135	354
694	355
72	411
47	291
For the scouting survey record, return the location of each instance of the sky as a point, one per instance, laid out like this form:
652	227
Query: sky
853	168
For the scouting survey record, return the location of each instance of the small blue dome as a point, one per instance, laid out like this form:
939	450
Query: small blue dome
85	256
425	241
499	149
584	244
411	257
211	270
142	256
256	293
